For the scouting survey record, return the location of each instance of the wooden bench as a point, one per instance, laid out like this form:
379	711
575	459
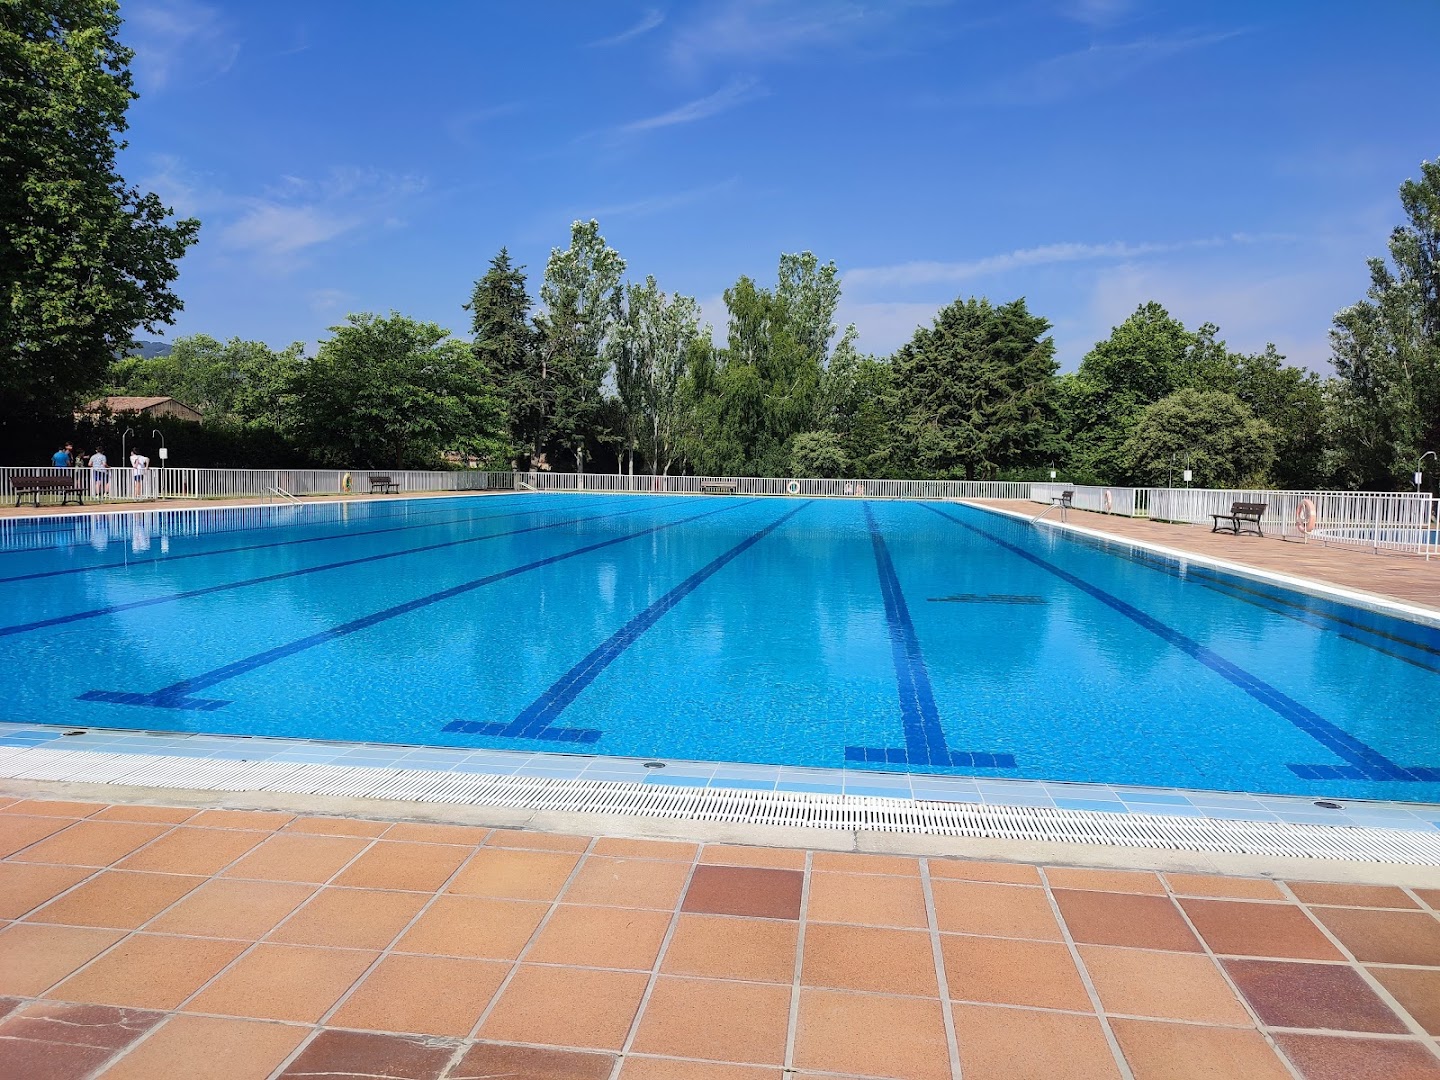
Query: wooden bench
1241	513
34	486
718	486
384	485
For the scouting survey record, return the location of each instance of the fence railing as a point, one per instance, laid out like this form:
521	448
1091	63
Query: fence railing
1379	520
117	484
771	485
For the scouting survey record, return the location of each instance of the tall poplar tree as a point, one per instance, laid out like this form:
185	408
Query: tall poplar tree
581	294
1386	349
85	258
651	349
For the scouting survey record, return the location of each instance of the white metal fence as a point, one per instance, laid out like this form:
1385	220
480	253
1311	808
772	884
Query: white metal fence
1381	521
770	485
172	483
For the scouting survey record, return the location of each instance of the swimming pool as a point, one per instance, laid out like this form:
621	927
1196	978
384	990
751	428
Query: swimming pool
900	636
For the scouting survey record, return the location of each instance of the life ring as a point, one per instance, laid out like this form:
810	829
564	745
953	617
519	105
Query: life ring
1306	515
1109	501
345	483
793	487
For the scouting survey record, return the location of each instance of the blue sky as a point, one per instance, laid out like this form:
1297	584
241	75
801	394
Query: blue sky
1235	161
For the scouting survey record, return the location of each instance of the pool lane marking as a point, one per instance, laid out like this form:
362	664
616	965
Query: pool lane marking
176	695
1212	579
166	559
1365	762
920	718
536	719
113	609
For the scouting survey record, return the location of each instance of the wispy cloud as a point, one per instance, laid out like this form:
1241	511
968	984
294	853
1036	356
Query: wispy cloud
461	126
949	273
649	21
659	204
297	213
737	92
1087	70
326	301
754	30
176	39
289	216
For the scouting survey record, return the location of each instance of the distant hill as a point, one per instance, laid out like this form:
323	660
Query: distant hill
149	349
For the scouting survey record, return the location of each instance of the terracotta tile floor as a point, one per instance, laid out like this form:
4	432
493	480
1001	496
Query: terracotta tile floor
150	943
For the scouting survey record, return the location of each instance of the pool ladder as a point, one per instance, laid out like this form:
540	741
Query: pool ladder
1062	507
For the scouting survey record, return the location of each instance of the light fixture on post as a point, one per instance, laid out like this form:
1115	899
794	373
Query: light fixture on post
1419	469
1187	474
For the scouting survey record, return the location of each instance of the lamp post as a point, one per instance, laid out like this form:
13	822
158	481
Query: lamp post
164	453
1419	465
128	432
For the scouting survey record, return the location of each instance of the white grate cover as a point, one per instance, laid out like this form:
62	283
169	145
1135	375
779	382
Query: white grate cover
810	810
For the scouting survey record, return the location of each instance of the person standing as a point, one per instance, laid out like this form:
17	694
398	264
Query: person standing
139	465
61	458
99	473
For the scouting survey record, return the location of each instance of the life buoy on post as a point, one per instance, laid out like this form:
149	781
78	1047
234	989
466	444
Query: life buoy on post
1306	515
345	483
1109	501
793	487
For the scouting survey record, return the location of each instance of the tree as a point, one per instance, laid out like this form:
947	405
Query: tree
857	402
764	386
395	393
581	294
975	388
1386	349
1142	361
650	349
84	257
232	382
1292	401
818	454
1211	432
505	348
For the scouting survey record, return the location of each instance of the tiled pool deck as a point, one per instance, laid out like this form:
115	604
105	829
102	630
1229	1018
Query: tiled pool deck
1237	806
144	942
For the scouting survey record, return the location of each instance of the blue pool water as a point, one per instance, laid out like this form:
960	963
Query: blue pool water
921	637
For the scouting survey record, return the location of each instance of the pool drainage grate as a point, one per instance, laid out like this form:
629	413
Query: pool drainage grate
805	809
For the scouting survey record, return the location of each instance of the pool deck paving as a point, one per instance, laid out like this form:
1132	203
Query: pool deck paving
1407	578
148	942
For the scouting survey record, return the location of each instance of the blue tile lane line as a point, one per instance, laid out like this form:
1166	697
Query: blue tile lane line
177	695
1298	611
536	720
920	719
227	586
1364	762
162	559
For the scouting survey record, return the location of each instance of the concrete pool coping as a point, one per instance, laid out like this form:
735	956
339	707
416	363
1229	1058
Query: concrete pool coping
1009	820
